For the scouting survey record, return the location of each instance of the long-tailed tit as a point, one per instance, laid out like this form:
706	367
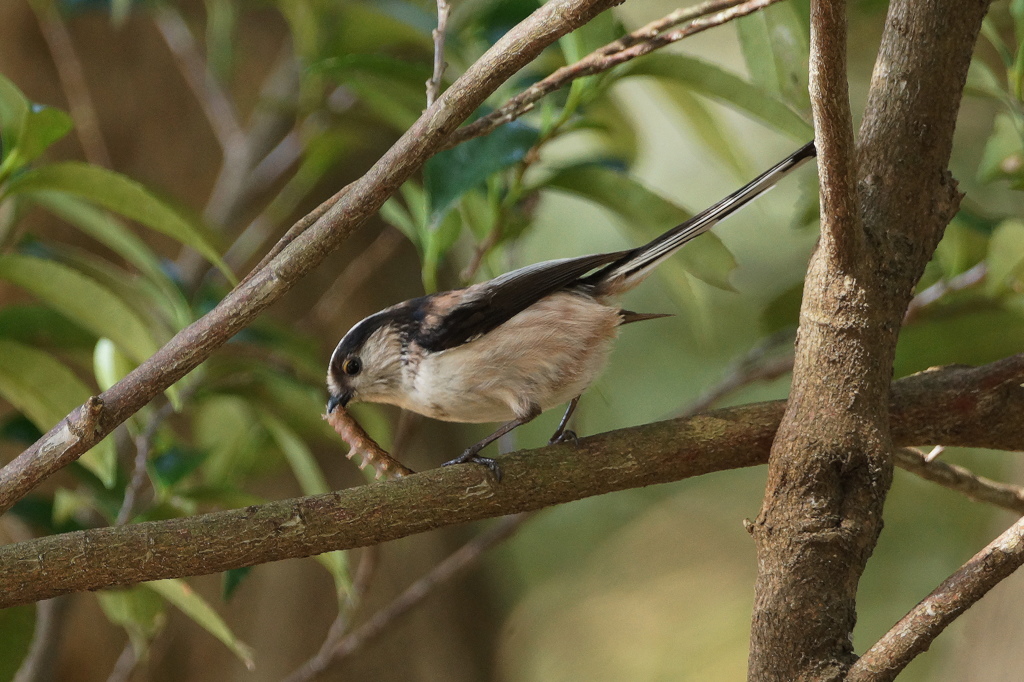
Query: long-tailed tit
517	345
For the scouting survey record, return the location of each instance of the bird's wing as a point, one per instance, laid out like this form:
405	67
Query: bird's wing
482	307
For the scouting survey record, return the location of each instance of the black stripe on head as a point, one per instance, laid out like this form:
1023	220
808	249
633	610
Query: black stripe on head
403	316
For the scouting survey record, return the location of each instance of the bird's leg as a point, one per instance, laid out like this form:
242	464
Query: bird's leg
561	435
471	453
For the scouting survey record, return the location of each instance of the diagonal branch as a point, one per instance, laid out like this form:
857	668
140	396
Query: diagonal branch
643	41
918	629
87	425
982	407
978	488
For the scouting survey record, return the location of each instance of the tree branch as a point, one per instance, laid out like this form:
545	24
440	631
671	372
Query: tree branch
831	465
966	406
636	44
72	81
918	629
68	440
439	34
978	488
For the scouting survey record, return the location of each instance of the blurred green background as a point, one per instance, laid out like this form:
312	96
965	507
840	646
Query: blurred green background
97	269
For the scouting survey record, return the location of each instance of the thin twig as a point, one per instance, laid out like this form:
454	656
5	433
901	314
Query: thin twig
143	446
755	366
915	632
72	81
459	561
220	112
365	573
962	480
41	661
598	61
965	280
357	273
125	664
622	50
674	18
439	33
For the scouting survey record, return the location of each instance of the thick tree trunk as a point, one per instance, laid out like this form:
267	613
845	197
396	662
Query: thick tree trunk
831	463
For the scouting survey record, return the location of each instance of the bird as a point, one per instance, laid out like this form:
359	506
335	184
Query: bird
507	349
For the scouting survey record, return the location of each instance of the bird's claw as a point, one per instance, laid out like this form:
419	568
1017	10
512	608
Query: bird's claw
564	437
470	455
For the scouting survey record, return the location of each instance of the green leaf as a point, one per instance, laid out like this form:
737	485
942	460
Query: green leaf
233	578
982	82
394	101
938	338
17	625
439	240
783	311
223	425
775	48
172	466
121	195
712	81
1003	158
109	365
300	458
139	611
44	126
453	172
177	592
116	236
221	23
34	324
46	391
119	10
26	129
14	110
1005	257
82	300
312	482
708	127
647	215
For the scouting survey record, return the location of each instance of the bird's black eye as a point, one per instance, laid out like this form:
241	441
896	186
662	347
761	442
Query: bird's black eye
352	366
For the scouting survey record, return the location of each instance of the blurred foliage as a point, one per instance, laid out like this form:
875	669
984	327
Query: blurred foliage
84	306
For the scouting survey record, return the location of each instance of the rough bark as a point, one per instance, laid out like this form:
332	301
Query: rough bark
982	407
831	463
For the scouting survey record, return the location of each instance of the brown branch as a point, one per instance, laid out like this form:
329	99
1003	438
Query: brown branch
66	441
962	480
830	466
755	366
457	562
965	280
637	44
918	629
143	447
365	573
220	112
884	208
356	273
648	40
439	34
962	406
72	81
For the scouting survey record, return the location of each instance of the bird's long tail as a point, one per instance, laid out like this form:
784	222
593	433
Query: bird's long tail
628	271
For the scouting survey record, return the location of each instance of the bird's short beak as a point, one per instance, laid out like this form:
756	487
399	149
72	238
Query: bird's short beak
336	400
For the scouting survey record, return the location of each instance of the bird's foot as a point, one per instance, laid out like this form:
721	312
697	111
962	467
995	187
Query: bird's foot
565	436
471	455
